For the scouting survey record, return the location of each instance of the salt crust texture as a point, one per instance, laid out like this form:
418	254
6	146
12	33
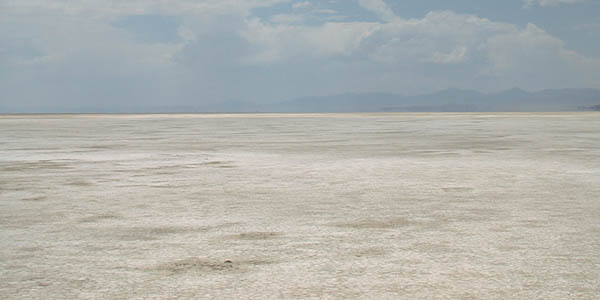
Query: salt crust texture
332	206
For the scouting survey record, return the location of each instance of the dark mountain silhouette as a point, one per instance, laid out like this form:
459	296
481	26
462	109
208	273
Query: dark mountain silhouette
449	100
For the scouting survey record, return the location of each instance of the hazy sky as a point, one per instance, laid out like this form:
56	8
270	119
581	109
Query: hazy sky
189	52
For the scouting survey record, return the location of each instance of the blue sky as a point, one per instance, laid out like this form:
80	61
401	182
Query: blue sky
107	53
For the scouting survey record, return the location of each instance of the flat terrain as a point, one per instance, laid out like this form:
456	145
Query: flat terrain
339	206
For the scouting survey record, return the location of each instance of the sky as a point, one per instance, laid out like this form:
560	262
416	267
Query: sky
158	53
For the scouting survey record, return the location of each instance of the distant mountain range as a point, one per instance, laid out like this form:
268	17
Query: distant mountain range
449	100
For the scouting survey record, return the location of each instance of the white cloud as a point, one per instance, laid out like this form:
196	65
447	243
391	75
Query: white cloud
301	4
306	12
434	38
532	52
380	8
278	42
487	48
84	28
325	11
456	56
529	3
59	40
288	18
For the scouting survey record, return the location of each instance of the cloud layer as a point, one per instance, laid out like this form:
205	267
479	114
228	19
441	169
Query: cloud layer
529	3
99	53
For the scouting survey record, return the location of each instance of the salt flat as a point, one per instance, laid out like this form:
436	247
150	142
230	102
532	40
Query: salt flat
275	206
